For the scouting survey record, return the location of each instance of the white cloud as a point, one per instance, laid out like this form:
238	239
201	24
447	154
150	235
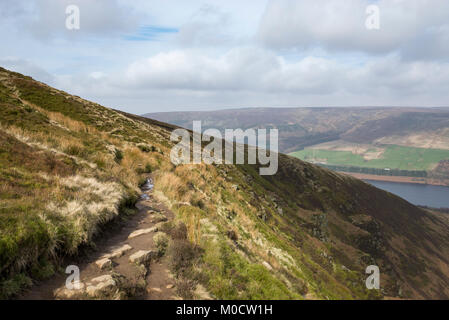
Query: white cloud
233	53
46	19
97	75
207	26
406	25
257	70
250	76
240	69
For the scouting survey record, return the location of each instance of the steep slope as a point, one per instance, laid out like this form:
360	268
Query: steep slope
298	127
363	134
398	125
302	127
68	166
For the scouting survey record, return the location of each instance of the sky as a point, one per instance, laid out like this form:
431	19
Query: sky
145	56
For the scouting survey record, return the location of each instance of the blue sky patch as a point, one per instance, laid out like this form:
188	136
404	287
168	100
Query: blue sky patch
150	33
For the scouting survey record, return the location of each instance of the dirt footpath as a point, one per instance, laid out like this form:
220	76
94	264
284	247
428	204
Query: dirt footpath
125	264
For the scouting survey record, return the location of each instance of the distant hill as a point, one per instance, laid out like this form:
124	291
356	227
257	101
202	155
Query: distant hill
70	167
302	127
346	137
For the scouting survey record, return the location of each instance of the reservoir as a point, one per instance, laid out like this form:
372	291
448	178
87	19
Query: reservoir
418	194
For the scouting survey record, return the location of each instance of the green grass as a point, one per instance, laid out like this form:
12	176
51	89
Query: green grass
231	277
229	232
33	236
394	157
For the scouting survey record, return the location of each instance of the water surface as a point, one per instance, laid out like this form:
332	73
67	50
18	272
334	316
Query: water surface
418	194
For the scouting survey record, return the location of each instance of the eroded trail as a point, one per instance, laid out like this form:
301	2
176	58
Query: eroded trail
127	263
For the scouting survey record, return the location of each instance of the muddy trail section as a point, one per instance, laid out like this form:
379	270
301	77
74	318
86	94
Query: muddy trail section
127	263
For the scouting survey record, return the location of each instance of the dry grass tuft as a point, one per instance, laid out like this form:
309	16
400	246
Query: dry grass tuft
93	204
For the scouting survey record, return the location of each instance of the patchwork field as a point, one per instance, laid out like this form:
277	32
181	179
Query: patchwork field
387	156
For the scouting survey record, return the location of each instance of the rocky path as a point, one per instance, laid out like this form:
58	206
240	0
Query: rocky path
127	263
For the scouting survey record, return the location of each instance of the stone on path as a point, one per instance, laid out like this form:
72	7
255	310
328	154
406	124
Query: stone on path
99	287
141	232
66	293
118	252
104	263
142	256
103	278
106	285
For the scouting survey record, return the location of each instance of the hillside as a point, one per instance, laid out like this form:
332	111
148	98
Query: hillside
68	167
302	127
298	127
411	142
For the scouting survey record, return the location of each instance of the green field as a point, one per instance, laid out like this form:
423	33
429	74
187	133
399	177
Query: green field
394	157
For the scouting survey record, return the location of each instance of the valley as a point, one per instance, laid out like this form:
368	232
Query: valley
70	169
407	143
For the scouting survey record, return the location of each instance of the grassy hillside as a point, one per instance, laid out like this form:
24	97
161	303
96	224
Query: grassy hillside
412	139
303	127
69	166
421	120
298	127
